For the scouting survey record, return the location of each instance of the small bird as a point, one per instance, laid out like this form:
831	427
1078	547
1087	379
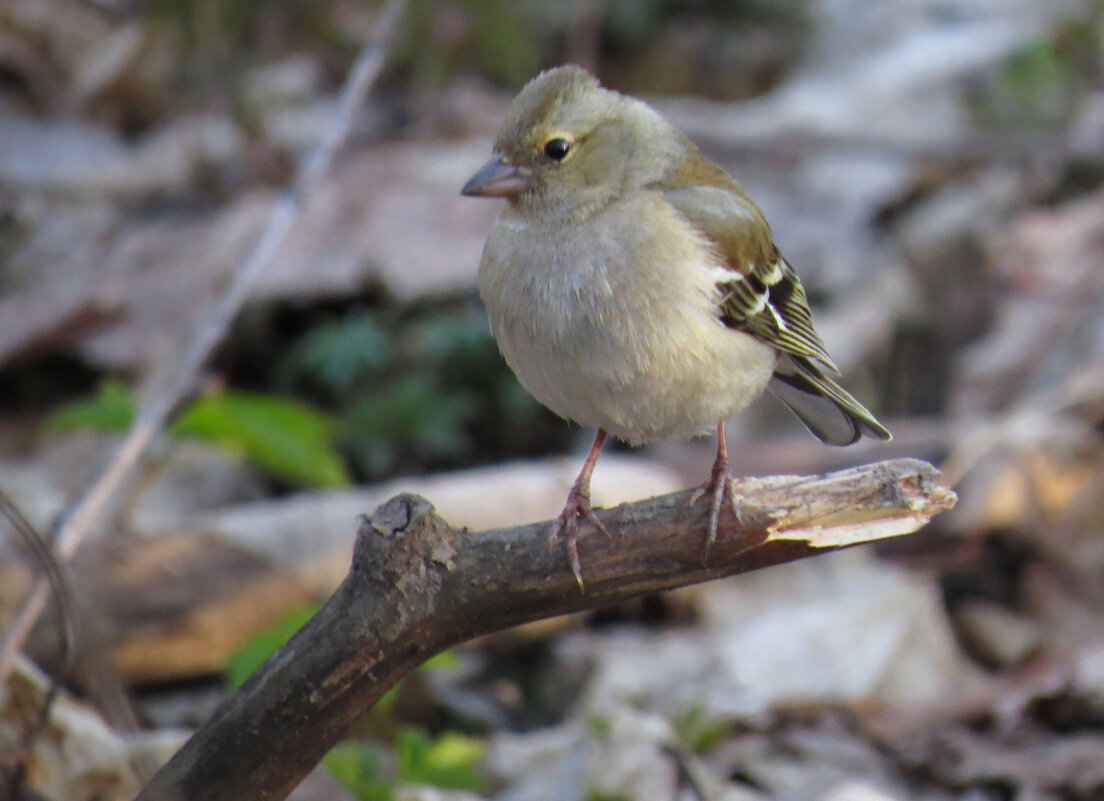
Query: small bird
633	286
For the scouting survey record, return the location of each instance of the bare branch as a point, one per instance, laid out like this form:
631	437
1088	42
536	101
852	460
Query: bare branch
178	382
417	586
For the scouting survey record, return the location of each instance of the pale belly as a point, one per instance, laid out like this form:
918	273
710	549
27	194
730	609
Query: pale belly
640	394
635	349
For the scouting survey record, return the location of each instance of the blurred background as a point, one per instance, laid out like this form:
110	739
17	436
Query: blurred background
934	170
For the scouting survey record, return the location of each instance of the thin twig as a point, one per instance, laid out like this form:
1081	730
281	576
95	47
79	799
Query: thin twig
177	383
52	571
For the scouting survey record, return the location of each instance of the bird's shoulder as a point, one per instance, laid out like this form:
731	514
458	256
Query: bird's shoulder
764	296
714	204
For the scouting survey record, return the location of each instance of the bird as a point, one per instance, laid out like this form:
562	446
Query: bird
634	287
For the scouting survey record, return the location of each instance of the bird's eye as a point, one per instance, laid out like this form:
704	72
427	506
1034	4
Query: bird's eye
556	149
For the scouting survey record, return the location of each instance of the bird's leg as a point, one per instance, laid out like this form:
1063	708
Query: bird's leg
719	485
578	505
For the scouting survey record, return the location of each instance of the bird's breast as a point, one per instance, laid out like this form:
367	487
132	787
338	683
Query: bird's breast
613	322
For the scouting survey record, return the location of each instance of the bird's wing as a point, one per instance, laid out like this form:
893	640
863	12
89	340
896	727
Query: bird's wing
764	297
828	410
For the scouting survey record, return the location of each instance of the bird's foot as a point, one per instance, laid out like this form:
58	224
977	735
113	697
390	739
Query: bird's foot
567	527
719	486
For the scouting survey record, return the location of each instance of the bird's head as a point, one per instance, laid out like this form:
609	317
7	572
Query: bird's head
567	147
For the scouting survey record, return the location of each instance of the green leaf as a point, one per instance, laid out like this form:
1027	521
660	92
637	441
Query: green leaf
285	438
410	754
1040	81
251	654
112	409
694	732
599	726
357	767
444	661
448	761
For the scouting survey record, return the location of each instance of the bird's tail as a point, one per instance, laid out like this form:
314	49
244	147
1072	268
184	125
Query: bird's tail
826	408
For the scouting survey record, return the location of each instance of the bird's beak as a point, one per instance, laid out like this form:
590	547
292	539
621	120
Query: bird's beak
497	178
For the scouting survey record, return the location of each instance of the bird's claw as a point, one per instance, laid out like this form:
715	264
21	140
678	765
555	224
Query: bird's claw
567	527
719	486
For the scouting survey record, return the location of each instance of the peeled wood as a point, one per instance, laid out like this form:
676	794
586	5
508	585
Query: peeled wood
418	586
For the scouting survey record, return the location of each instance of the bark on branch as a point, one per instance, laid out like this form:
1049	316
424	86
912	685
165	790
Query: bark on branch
418	586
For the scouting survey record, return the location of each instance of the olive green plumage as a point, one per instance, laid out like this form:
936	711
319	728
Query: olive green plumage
633	285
